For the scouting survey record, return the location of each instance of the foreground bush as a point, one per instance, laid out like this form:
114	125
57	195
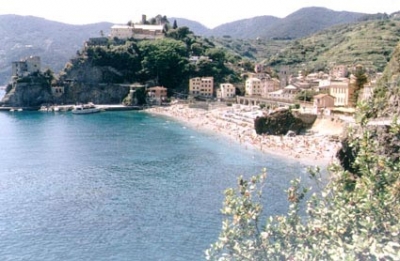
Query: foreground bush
354	217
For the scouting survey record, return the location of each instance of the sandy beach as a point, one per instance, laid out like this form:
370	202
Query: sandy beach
316	149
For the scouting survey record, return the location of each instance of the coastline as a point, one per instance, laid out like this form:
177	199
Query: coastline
317	149
103	107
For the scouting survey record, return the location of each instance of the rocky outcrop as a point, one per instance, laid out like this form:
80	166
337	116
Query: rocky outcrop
84	83
281	122
32	92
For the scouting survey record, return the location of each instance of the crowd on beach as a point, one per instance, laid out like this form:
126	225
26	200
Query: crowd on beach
238	124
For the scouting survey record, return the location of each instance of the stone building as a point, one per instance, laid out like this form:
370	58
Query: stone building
139	31
324	100
26	66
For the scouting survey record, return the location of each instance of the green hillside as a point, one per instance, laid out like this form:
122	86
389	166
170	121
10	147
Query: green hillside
163	62
370	43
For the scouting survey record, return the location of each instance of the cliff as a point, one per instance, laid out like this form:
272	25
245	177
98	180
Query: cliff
101	93
387	94
27	92
85	82
384	105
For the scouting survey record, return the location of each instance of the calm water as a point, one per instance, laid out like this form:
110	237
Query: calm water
118	186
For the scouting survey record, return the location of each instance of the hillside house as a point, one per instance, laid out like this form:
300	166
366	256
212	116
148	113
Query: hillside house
269	85
226	91
342	93
286	94
157	94
253	87
324	100
57	91
203	86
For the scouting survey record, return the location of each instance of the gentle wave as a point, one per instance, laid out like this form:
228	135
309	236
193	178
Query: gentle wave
119	186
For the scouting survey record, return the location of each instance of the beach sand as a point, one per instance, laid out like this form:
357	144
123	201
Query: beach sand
317	149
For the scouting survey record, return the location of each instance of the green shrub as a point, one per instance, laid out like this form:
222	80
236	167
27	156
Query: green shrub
339	223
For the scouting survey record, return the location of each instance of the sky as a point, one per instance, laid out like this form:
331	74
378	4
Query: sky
210	13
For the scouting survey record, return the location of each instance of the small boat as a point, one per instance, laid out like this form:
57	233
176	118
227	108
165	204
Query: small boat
85	109
44	108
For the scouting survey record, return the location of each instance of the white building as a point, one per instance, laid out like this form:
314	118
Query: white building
253	87
121	31
137	31
226	91
342	93
287	94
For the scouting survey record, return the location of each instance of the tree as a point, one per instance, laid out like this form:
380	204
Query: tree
175	25
216	55
196	49
164	60
305	95
360	79
179	33
48	75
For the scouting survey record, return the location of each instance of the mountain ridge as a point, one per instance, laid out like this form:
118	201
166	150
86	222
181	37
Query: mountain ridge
298	24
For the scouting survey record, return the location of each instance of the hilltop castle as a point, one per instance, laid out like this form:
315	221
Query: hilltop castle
138	31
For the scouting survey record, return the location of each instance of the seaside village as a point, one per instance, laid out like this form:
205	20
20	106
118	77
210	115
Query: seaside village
220	109
225	112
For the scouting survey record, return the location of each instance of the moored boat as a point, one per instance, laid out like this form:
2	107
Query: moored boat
85	109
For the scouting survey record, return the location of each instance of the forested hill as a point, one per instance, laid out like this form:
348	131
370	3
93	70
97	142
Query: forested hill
369	42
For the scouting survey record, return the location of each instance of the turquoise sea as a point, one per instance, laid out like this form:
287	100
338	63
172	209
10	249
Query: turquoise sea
119	186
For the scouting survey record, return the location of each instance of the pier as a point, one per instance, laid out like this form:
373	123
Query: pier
104	107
